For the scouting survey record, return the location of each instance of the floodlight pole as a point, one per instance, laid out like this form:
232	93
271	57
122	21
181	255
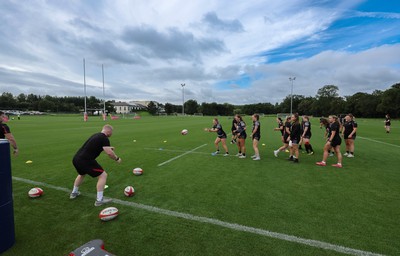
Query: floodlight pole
104	95
183	99
291	79
84	88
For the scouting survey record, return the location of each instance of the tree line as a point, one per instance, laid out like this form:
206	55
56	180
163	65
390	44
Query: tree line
326	101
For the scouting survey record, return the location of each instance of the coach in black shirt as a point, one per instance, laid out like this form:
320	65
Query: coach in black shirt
5	133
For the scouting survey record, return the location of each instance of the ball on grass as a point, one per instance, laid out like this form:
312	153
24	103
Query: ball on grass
138	171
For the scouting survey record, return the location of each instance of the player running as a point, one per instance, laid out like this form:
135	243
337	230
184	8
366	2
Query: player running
221	137
233	129
256	135
285	134
294	138
349	134
306	135
85	163
334	142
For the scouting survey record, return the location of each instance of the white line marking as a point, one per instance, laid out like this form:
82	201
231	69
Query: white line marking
377	141
176	150
174	158
233	226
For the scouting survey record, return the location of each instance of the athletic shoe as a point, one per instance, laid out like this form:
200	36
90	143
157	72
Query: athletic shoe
276	153
238	154
346	154
311	153
104	201
331	154
74	195
321	163
256	158
242	156
253	156
214	153
350	155
290	158
226	154
337	165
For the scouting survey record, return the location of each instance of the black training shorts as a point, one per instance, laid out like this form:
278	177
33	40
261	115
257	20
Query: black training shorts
336	142
90	167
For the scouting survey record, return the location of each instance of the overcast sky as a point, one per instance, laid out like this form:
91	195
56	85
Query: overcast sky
224	51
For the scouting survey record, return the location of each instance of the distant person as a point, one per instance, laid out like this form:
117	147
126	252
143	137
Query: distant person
19	116
387	123
285	135
85	162
256	135
241	136
349	134
294	138
306	135
333	142
5	133
221	136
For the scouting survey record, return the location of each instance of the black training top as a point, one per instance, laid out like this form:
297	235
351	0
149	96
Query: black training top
287	125
234	123
92	148
387	121
257	124
349	127
220	131
241	128
307	124
335	126
281	127
4	129
295	131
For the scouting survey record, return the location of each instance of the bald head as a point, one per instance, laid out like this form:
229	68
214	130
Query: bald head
107	130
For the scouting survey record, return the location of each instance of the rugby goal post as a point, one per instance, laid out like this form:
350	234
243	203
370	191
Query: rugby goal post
282	115
198	114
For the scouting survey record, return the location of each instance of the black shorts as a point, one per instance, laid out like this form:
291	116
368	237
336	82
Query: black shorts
336	142
295	141
242	136
90	167
223	136
307	136
256	137
285	137
346	137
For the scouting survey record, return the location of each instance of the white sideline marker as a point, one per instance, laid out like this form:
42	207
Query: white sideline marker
233	226
377	141
187	152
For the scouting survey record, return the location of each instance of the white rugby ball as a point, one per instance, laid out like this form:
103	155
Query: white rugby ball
138	171
129	191
184	132
35	192
108	213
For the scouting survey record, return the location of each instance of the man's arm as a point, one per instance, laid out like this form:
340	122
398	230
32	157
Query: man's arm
110	152
12	141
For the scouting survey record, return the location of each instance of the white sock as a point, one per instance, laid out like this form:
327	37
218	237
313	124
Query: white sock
75	189
99	195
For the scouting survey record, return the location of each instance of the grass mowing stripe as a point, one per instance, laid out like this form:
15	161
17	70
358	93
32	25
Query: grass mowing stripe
233	226
188	152
377	141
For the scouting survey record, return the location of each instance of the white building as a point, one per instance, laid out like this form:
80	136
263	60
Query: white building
125	108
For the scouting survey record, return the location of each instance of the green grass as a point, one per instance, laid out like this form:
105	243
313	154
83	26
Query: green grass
357	206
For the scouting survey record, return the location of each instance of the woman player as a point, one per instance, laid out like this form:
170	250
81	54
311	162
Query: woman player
241	136
233	129
306	135
387	123
294	138
256	135
349	134
285	134
221	136
325	123
334	142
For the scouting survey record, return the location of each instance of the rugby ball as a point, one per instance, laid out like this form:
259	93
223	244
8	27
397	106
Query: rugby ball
129	191
108	213
138	171
35	192
184	132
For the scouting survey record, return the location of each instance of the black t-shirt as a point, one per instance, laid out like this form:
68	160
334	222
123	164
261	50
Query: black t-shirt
335	126
349	127
234	124
92	148
281	127
387	121
256	124
295	131
220	131
307	124
4	129
241	128
287	125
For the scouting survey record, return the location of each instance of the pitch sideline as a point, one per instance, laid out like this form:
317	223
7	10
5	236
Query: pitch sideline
233	226
377	141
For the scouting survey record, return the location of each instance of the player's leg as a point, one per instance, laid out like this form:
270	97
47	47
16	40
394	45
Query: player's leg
223	141
256	151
